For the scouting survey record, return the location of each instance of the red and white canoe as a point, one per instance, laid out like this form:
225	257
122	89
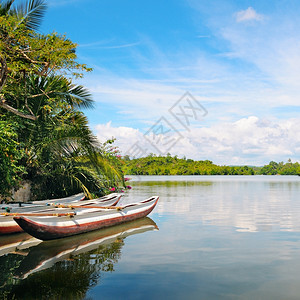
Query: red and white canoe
8	225
52	227
33	204
108	200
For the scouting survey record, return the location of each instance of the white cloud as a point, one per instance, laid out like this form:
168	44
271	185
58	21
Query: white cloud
54	3
124	135
248	15
270	78
250	140
246	141
258	75
99	45
144	101
273	49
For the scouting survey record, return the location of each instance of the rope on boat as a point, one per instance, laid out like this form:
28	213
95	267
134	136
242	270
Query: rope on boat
88	206
71	214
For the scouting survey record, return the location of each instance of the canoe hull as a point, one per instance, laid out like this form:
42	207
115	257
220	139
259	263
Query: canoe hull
8	225
63	227
74	198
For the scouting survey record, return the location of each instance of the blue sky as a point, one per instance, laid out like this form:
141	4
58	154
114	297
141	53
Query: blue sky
239	59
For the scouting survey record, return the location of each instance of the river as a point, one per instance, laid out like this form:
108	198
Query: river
210	237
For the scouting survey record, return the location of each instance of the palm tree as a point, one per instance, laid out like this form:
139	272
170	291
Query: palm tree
27	15
62	154
24	52
64	158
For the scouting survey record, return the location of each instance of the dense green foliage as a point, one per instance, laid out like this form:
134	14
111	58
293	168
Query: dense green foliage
168	165
10	154
45	137
274	168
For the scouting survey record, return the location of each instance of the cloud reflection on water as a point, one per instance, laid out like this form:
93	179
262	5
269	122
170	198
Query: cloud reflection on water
247	203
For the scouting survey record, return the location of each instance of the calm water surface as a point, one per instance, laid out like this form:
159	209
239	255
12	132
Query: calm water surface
210	237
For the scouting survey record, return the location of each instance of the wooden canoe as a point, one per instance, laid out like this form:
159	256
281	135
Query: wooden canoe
8	225
74	198
85	220
33	204
108	200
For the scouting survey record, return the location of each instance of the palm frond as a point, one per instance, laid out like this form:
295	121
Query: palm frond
66	135
110	170
80	96
76	95
60	88
5	7
30	13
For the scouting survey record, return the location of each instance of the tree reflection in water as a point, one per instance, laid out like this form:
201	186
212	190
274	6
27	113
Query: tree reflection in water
70	279
67	268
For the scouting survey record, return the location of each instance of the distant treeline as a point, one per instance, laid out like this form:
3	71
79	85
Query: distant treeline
172	165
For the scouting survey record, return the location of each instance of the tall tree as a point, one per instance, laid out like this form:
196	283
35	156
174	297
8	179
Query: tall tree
60	153
24	52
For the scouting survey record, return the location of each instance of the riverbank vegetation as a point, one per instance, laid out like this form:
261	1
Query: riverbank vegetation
172	165
44	135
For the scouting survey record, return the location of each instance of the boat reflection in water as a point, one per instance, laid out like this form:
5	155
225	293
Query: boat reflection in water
46	254
70	266
16	243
